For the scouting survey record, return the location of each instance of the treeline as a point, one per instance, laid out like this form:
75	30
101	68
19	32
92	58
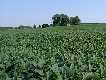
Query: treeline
3	28
64	20
57	20
32	27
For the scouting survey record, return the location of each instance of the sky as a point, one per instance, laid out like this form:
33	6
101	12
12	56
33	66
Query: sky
29	12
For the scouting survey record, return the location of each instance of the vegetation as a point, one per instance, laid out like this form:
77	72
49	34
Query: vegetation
45	25
24	27
39	26
60	20
34	26
3	28
64	20
74	20
77	52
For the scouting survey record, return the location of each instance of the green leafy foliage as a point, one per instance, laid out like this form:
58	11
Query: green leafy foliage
64	20
52	54
74	20
45	25
60	20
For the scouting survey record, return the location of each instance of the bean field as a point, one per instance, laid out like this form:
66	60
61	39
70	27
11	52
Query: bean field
54	53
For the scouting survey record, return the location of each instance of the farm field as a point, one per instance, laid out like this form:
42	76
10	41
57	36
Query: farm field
76	52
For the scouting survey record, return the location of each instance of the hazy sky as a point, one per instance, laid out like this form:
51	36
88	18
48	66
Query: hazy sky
28	12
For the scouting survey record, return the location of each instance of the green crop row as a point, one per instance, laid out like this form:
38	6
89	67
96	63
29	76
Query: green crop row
52	54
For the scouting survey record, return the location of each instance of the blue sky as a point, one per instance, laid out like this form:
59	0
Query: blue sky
29	12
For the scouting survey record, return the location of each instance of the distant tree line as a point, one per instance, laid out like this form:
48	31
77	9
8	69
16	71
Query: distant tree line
64	20
58	20
3	28
33	27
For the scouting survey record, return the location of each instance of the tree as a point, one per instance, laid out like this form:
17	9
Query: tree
77	20
34	26
51	24
45	25
64	20
74	20
60	20
39	26
24	27
71	20
56	19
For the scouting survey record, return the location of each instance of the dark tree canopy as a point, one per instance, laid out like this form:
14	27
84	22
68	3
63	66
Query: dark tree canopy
60	20
63	20
45	25
34	26
24	27
74	20
39	26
